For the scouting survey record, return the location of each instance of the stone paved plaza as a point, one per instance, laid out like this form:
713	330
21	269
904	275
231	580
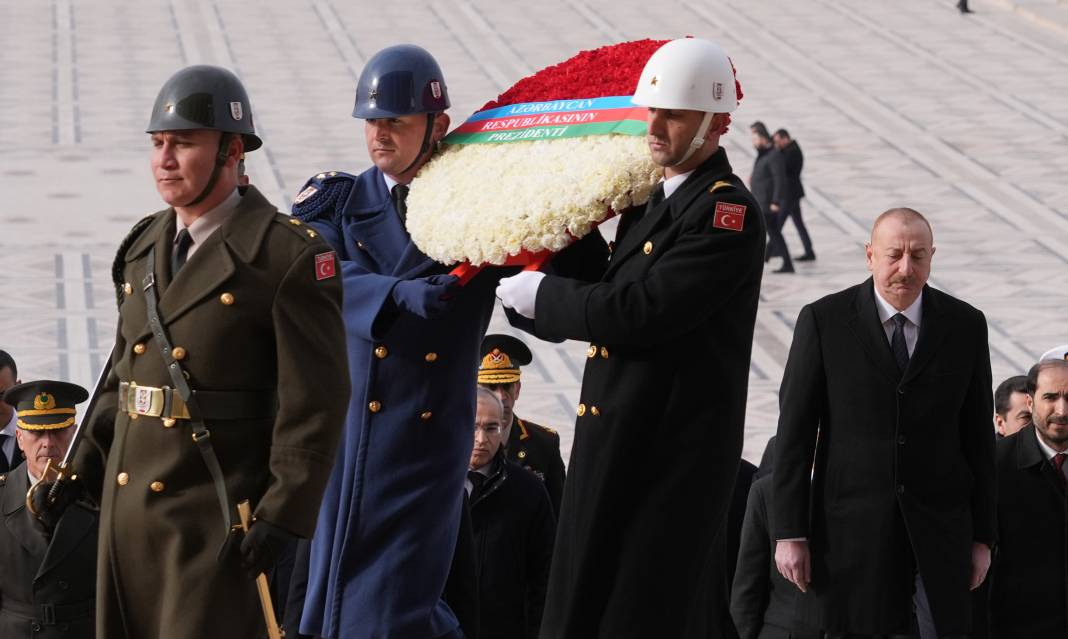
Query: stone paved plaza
902	103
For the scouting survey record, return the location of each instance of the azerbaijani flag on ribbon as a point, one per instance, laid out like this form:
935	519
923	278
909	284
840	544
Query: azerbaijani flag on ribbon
552	120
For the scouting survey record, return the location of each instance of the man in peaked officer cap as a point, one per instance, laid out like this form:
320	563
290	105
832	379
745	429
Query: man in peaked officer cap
183	430
49	570
533	447
1057	352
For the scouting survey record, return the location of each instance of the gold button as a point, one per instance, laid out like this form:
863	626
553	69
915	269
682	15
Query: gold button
294	221
381	352
311	233
431	357
595	411
581	410
122	479
359	244
127	288
227	299
522	454
426	415
604	352
157	486
648	248
139	349
169	422
374	406
178	353
591	351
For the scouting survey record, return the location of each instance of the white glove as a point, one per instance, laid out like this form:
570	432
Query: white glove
520	292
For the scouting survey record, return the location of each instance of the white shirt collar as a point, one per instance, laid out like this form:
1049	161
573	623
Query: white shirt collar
1046	450
208	223
11	425
33	480
673	183
485	469
914	313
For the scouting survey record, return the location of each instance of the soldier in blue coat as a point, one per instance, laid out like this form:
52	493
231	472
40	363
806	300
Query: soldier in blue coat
389	520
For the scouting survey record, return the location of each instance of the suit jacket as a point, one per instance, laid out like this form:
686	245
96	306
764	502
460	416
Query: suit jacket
655	453
537	449
904	468
793	162
514	527
255	315
769	179
1029	575
39	573
763	603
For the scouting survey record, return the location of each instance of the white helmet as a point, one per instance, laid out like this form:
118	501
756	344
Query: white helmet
690	74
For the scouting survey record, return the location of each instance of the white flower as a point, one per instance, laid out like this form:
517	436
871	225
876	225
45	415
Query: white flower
481	203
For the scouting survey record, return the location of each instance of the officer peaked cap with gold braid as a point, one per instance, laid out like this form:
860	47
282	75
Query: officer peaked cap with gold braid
45	404
502	355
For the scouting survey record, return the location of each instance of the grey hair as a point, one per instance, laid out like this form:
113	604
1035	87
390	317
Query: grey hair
491	396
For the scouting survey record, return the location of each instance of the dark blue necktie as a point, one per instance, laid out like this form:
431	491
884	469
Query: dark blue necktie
897	342
181	251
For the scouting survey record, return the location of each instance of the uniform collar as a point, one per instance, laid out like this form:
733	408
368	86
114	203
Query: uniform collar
914	313
209	222
672	184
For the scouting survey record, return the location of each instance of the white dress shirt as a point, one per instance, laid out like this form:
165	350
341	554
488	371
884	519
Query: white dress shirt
9	442
202	227
914	313
1049	453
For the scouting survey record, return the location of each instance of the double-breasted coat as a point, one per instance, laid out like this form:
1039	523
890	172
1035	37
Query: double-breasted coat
258	316
1029	576
47	583
660	420
903	480
537	449
388	525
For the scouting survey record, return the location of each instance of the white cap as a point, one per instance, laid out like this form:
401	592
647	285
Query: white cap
690	74
1059	352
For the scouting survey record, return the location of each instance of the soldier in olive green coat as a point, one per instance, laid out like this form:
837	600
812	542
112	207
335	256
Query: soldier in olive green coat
249	305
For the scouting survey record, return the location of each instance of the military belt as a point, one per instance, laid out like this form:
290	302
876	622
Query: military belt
49	614
167	403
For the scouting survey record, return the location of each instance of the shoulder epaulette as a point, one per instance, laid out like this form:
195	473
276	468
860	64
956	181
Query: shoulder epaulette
720	185
119	265
296	225
323	195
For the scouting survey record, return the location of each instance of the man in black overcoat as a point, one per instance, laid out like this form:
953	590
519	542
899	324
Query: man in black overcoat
887	390
793	161
1029	578
662	405
768	182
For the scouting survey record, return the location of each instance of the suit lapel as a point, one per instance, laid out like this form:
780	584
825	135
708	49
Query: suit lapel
209	267
869	332
934	326
636	234
75	524
18	521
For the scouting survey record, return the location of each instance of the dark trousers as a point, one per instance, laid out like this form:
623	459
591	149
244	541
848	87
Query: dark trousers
776	243
792	209
924	621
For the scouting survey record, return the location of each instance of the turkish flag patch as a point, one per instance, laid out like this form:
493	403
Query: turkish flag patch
729	216
325	266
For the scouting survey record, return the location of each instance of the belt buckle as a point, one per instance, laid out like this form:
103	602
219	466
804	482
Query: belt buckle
144	400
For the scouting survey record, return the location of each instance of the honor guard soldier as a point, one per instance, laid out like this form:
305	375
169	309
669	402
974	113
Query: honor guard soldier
226	383
533	447
47	573
662	406
390	516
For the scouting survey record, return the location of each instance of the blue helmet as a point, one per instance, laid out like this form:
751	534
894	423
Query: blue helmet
400	80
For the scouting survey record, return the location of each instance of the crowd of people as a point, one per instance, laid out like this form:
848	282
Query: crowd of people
393	488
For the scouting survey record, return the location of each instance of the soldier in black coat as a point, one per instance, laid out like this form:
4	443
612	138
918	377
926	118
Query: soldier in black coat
662	406
1029	576
534	447
514	526
47	572
793	162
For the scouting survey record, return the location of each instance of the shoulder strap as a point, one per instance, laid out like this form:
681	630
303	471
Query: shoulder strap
201	434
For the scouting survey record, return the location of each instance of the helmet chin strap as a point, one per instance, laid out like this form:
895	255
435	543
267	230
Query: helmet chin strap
426	142
698	138
220	162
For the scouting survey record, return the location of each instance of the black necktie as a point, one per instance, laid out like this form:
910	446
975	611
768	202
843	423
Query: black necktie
400	201
477	479
897	342
181	251
656	197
